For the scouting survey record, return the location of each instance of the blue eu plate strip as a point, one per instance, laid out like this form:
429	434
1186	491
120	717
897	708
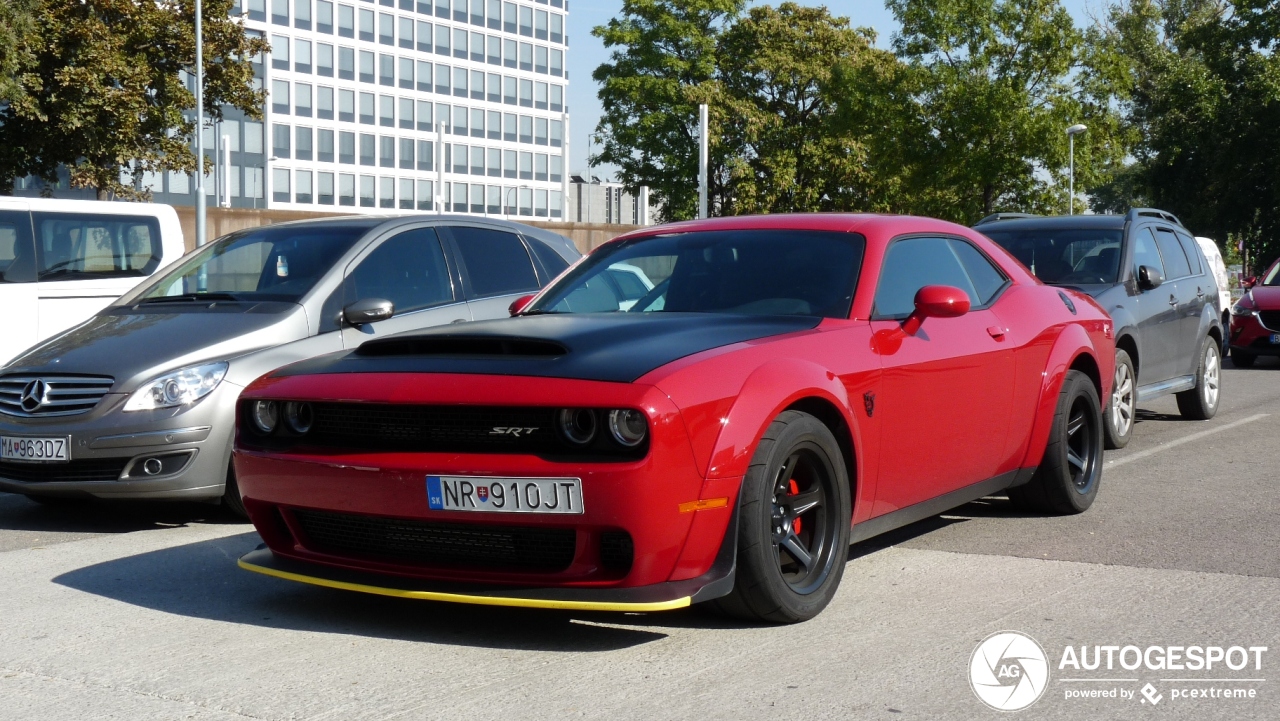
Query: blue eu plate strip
435	499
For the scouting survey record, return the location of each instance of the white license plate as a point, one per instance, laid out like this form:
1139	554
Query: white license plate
504	495
34	449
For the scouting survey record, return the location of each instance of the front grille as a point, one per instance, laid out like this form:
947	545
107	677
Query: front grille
1270	319
368	427
32	396
466	545
105	469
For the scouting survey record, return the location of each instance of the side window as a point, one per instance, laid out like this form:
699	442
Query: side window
1145	253
496	262
987	279
1192	250
407	269
551	261
1171	251
80	245
910	265
17	251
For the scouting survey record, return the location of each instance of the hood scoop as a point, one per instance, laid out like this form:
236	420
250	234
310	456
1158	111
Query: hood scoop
470	346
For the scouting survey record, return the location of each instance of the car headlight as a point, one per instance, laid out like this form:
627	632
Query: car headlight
265	416
628	427
178	388
1239	310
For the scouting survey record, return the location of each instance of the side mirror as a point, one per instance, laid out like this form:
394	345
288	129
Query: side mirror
936	301
368	310
1149	278
519	304
1249	282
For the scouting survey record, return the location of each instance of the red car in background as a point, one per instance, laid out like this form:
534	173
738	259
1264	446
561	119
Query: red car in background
775	389
1255	320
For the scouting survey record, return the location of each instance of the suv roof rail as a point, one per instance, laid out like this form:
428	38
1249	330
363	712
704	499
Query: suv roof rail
1004	216
1135	213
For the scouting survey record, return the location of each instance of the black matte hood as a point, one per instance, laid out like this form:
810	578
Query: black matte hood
588	346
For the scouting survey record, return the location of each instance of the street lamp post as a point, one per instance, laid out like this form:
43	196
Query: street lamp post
1072	132
200	199
508	195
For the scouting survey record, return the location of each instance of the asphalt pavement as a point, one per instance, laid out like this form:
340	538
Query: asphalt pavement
139	612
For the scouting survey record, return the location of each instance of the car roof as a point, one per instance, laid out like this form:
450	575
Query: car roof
1056	222
865	223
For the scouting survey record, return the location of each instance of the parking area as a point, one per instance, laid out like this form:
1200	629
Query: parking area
139	612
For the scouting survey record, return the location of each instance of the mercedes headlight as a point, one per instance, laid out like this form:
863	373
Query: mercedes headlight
178	388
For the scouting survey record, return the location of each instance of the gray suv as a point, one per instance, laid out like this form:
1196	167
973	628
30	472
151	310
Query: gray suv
1149	273
139	401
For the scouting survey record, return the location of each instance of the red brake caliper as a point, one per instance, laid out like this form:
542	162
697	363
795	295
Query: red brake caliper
795	489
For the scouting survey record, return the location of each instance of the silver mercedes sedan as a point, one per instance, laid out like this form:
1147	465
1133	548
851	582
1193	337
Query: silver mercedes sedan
139	401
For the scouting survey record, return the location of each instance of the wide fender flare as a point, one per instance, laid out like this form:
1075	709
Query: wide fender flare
1071	343
767	392
1209	320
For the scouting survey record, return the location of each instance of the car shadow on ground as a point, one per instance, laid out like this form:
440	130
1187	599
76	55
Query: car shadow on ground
201	580
19	513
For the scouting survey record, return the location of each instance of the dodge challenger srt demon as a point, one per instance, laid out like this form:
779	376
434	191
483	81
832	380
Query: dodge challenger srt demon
709	411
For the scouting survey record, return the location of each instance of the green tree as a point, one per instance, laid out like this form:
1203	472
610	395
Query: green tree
99	89
778	79
996	84
663	64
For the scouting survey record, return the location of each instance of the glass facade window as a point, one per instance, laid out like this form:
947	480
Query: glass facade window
386	192
424	37
324	60
540	131
540	96
386	152
508	90
347	106
526	21
557	98
557	28
404	34
406	113
442	40
387	70
460	159
366	25
459	198
424	76
386	29
368	191
324	188
557	133
477	123
557	62
346	189
426	152
346	21
302	14
280	185
324	145
280	137
526	93
526	129
426	195
540	166
324	102
424	115
366	108
460	43
460	82
280	52
526	166
509	127
366	66
347	63
406	193
280	97
302	186
493	168
443	76
302	56
541	25
279	12
540	59
302	100
406	154
493	46
508	17
495	125
368	151
459	120
302	149
557	166
347	148
477	160
324	17
509	53
386	111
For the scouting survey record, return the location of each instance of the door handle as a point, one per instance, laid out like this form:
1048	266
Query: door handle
995	332
1199	292
458	320
1173	300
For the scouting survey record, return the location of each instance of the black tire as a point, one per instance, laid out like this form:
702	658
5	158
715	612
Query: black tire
1201	403
798	461
231	496
61	501
1122	407
1069	475
1242	359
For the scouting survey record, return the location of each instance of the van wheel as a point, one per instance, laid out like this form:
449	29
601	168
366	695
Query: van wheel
1201	403
793	535
1068	477
231	496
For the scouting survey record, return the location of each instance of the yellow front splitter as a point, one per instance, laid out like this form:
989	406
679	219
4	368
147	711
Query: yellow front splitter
482	600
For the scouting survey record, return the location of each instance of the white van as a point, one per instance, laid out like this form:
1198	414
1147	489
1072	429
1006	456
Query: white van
61	261
1210	249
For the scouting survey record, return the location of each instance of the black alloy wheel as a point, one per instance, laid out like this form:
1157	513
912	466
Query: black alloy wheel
794	511
1071	470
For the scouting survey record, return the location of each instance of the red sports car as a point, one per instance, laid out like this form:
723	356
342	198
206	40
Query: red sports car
703	411
1255	320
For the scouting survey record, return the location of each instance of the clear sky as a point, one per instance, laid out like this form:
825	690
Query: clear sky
587	52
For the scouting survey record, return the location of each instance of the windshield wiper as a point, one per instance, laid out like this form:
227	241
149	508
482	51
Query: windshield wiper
189	298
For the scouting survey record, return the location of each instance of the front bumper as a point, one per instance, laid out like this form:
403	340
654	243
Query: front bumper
326	514
108	448
1248	335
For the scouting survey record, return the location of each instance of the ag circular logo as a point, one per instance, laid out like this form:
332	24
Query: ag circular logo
1009	671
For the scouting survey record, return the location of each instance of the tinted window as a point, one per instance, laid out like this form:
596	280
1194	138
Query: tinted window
910	265
986	278
408	269
1273	276
1064	256
1145	253
280	263
752	272
81	245
631	282
17	252
1192	250
496	262
551	261
1175	261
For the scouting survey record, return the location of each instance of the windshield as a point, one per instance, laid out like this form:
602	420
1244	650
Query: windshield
1273	276
264	264
1076	256
749	272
